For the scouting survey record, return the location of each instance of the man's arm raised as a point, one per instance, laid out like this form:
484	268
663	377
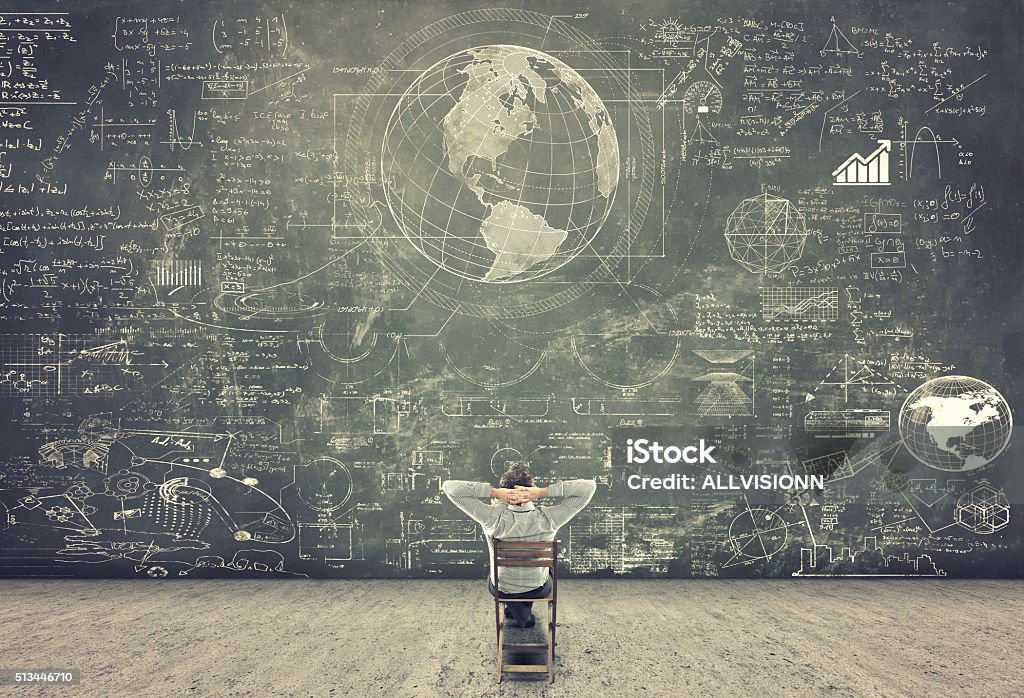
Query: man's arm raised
467	496
576	494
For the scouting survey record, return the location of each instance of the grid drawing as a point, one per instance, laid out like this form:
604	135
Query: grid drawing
813	303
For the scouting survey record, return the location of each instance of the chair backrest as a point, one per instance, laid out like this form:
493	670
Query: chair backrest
528	553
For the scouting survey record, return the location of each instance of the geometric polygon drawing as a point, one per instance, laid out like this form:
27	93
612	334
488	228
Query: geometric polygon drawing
983	510
730	385
766	234
723	396
838	44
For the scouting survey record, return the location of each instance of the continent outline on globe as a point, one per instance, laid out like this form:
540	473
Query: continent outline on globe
938	427
493	110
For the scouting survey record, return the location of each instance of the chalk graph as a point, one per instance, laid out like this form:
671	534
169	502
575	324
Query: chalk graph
814	303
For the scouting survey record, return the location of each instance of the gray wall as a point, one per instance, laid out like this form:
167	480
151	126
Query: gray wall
272	272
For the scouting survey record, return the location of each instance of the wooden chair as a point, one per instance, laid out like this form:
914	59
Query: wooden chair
526	554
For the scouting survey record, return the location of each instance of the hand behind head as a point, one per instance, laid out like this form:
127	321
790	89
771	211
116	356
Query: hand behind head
522	495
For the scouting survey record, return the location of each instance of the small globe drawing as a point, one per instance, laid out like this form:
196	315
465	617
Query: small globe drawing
766	234
500	164
955	423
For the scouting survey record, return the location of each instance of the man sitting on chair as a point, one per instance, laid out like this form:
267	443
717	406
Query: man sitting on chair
517	519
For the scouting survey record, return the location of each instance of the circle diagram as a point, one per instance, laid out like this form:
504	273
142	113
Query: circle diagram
324	484
127	484
757	534
500	163
766	234
955	423
498	140
702	97
504	458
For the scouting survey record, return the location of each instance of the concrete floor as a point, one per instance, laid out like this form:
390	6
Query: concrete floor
435	638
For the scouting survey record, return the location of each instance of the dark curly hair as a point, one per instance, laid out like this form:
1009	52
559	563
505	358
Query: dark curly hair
516	474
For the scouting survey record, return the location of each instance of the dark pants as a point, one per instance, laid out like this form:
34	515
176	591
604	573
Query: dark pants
520	612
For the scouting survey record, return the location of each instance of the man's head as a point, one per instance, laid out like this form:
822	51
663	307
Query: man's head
516	474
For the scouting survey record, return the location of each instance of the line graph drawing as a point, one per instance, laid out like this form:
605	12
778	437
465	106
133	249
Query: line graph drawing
934	141
174	135
833	466
812	303
50	365
858	170
923	136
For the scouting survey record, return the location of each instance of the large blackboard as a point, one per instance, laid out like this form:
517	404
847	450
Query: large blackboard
271	272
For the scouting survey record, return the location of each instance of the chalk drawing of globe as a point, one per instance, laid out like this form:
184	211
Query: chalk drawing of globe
500	164
955	423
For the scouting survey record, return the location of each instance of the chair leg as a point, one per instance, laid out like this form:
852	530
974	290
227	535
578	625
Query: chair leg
554	622
551	647
554	628
499	621
501	647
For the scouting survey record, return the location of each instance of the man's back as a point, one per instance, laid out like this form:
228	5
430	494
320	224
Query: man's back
520	522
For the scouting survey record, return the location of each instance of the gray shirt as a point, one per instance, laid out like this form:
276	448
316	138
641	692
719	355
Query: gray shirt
520	523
